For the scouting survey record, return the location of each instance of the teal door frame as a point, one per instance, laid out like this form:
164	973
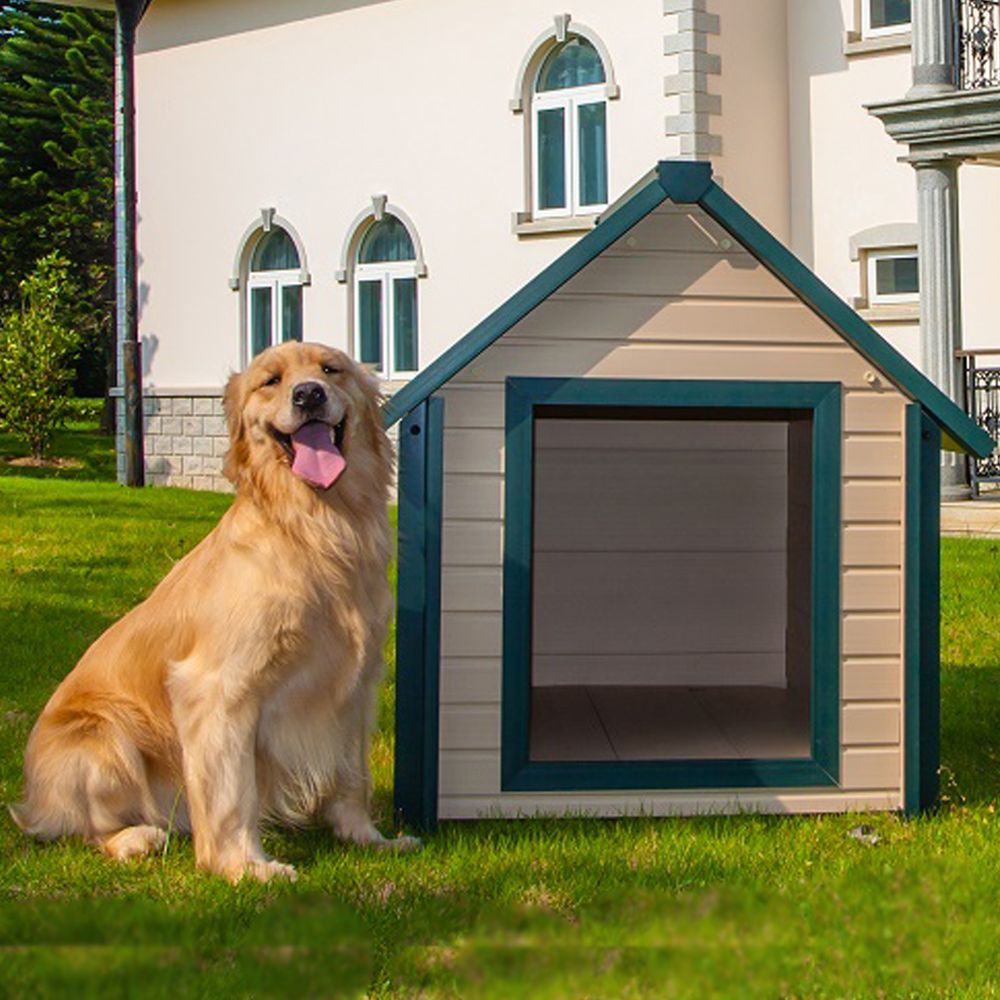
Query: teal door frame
922	608
418	614
822	767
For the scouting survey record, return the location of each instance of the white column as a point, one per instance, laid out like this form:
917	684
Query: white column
941	295
934	47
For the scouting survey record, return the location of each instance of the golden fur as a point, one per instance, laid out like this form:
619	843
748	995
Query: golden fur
244	686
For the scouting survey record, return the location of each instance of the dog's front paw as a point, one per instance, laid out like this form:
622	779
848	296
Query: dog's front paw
401	844
263	871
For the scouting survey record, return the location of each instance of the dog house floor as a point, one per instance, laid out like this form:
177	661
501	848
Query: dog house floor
599	723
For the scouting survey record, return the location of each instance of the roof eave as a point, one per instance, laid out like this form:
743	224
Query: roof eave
960	432
688	182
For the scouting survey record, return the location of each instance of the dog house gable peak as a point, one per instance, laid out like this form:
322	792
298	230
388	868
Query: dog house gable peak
688	182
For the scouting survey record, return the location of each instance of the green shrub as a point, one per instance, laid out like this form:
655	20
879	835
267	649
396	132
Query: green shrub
37	348
85	410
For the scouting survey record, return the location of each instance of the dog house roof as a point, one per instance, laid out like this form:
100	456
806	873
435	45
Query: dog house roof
691	183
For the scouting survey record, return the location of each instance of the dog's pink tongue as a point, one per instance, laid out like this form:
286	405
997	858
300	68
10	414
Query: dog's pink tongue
317	459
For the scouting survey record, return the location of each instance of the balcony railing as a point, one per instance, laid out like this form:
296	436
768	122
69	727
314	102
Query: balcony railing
979	44
982	401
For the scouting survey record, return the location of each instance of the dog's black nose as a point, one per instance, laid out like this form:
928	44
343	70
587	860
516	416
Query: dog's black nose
309	395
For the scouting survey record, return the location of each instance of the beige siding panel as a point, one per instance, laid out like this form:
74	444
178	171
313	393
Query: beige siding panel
614	359
871	724
470	407
872	546
470	727
691	603
471	588
661	435
873	501
616	804
469	772
473	497
882	411
470	681
652	318
524	806
870	768
872	680
670	274
472	543
473	450
872	590
472	634
872	635
672	227
657	512
880	456
703	669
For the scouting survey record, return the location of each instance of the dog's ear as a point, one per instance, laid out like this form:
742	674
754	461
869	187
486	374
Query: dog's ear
232	405
371	386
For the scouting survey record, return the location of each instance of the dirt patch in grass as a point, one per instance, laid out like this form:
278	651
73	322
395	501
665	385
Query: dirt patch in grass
28	462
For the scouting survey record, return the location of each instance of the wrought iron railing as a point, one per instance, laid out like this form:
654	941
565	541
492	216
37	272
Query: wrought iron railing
978	44
982	400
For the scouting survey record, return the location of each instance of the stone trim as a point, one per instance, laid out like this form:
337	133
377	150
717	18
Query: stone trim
692	65
856	45
562	25
523	225
267	221
891	234
116	392
359	226
961	124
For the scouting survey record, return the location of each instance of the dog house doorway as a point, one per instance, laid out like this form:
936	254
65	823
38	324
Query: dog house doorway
670	579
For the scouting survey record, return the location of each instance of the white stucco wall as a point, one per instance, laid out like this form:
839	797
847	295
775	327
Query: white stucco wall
845	174
979	215
312	107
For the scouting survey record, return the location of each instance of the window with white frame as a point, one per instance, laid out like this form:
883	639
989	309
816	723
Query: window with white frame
385	299
893	276
274	292
569	137
884	17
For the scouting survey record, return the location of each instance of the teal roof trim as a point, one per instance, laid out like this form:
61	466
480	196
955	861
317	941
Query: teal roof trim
788	269
690	182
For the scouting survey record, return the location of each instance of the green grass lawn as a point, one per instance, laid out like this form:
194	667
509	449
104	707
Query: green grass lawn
736	907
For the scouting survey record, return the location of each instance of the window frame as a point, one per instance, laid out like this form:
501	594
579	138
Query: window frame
872	295
276	281
386	273
870	31
569	99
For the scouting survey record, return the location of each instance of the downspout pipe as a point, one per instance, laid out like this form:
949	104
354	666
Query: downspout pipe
129	14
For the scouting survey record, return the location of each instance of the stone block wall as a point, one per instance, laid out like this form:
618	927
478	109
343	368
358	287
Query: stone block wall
184	438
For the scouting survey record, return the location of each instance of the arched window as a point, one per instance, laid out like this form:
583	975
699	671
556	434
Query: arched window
274	292
569	131
385	299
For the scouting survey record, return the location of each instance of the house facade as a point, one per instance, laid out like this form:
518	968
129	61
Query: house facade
381	175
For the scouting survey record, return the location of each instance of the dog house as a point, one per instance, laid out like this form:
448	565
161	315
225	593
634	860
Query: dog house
668	527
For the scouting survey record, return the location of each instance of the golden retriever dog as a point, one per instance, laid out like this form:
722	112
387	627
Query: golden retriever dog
243	689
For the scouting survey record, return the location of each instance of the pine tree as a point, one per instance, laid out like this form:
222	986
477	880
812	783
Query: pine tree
57	162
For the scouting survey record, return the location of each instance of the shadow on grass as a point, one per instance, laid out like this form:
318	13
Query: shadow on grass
296	946
970	739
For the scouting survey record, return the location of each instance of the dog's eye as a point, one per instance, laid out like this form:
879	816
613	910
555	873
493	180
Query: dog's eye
273	380
330	370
